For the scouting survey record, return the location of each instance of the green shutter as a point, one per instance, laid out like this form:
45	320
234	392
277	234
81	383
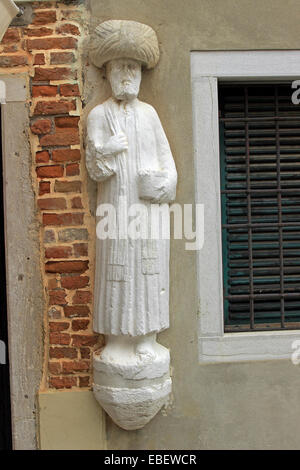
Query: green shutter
260	187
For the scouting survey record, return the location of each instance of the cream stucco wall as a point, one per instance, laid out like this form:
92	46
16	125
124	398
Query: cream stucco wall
246	405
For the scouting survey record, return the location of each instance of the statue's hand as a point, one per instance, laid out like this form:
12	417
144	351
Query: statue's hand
155	186
116	144
161	196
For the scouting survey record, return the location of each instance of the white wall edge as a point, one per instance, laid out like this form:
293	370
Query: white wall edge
2	92
256	346
268	65
13	88
22	256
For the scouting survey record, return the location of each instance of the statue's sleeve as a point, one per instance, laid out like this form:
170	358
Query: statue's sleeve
166	159
99	166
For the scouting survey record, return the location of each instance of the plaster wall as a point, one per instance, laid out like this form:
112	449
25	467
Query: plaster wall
225	406
61	428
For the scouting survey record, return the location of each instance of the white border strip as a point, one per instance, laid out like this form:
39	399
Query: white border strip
269	65
2	92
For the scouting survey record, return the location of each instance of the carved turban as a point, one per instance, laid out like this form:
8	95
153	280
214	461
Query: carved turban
117	39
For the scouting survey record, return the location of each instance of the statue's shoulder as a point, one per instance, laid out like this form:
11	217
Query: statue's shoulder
148	109
97	112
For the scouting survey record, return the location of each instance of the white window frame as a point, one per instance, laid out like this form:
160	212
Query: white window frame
207	68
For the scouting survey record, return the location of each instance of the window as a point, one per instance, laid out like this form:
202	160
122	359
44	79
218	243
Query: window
259	130
268	329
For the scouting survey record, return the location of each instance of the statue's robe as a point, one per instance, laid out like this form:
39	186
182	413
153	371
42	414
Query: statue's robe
131	276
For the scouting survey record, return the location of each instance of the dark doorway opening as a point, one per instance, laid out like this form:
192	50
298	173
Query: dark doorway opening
5	411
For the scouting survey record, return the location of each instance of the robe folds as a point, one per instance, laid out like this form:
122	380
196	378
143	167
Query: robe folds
131	275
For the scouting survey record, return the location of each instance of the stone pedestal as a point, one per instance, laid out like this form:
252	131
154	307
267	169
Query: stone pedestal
134	388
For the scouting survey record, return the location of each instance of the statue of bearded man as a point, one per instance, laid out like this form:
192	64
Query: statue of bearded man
129	155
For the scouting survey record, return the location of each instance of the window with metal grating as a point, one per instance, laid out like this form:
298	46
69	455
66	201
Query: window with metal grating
260	188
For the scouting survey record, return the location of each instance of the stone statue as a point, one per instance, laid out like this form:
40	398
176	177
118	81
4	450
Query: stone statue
128	153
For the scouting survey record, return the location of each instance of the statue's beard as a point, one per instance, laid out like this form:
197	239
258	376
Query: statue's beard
125	92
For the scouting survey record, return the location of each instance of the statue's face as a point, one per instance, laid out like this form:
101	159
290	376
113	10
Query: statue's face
124	76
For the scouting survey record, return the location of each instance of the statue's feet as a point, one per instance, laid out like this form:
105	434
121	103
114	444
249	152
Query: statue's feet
118	349
124	349
110	353
145	347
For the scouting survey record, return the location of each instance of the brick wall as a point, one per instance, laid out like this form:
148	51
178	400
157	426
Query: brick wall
49	51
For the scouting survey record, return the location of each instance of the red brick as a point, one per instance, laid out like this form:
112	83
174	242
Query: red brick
77	203
44	90
72	234
71	15
54	107
44	17
85	353
54	313
49	237
61	58
72	311
74	282
80	249
55	73
75	366
67	186
69	90
51	43
39	59
57	203
57	297
82	297
38	32
72	169
63	219
62	339
62	382
13	60
68	29
58	252
78	325
58	353
84	340
10	48
67	267
54	368
58	325
66	121
41	126
66	137
66	155
44	187
51	171
84	381
42	157
52	283
11	35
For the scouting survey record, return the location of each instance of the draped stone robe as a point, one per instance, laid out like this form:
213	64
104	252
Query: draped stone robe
131	276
